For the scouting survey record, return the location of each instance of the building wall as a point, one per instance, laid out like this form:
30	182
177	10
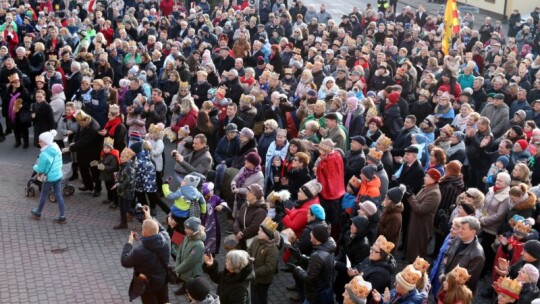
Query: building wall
497	6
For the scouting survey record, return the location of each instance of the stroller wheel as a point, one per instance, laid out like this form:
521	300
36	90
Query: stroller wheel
52	198
32	191
68	190
26	191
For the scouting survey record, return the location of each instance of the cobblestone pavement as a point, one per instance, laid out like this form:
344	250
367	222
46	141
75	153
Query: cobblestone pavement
78	262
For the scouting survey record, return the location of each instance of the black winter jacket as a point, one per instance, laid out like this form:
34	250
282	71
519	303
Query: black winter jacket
320	272
233	288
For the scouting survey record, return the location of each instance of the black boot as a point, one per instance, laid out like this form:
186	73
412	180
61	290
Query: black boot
17	144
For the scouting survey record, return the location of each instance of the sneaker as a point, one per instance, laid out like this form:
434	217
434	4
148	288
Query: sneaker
60	220
36	214
113	206
85	189
121	226
105	202
73	178
96	193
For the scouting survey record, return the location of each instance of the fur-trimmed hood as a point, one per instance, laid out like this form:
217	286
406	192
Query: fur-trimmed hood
528	203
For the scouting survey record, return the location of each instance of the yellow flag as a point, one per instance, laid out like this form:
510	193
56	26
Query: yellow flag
451	25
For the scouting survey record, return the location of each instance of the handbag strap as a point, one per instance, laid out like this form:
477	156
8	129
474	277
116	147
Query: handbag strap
52	163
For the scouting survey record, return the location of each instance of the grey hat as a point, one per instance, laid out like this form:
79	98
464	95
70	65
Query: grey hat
193	223
396	194
231	127
247	133
192	180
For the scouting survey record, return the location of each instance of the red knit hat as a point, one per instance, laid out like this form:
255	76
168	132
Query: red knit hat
523	144
393	97
434	174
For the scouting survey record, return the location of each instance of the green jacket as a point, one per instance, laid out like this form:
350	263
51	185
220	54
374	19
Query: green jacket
189	259
266	255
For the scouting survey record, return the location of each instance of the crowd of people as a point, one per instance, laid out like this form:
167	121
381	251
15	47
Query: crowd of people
333	143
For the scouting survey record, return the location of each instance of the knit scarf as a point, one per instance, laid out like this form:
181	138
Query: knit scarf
12	99
111	126
454	148
246	174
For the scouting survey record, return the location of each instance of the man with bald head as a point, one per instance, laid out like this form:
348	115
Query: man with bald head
149	261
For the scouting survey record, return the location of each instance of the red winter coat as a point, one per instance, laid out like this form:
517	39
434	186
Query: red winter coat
331	175
296	218
190	119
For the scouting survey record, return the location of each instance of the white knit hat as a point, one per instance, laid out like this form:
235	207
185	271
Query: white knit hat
48	137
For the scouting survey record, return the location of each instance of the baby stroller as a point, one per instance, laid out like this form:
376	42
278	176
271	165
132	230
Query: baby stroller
67	189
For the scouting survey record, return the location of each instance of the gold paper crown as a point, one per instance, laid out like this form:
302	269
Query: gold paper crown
374	153
274	76
384	141
40	78
509	287
385	245
460	274
425	93
359	287
245	99
270	225
184	85
448	129
155	128
522	226
127	152
114	109
108	141
355	182
274	196
421	264
411	275
296	51
53	57
13	77
81	115
288	71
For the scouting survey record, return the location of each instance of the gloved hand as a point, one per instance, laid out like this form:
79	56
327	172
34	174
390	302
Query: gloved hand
101	167
168	180
94	163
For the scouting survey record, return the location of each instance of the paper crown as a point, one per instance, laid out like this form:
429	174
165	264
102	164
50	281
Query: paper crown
274	196
359	288
81	115
460	274
128	153
355	182
509	287
156	128
384	141
114	109
274	76
375	154
282	132
327	145
53	57
408	277
385	245
13	77
522	227
288	71
40	78
296	51
269	224
184	85
245	99
108	141
421	264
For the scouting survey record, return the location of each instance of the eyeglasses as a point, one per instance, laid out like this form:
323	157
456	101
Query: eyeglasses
373	250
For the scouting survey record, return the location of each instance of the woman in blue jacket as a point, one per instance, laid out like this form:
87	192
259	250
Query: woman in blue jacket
49	164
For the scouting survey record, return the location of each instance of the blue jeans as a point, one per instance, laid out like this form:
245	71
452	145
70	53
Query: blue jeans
57	188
